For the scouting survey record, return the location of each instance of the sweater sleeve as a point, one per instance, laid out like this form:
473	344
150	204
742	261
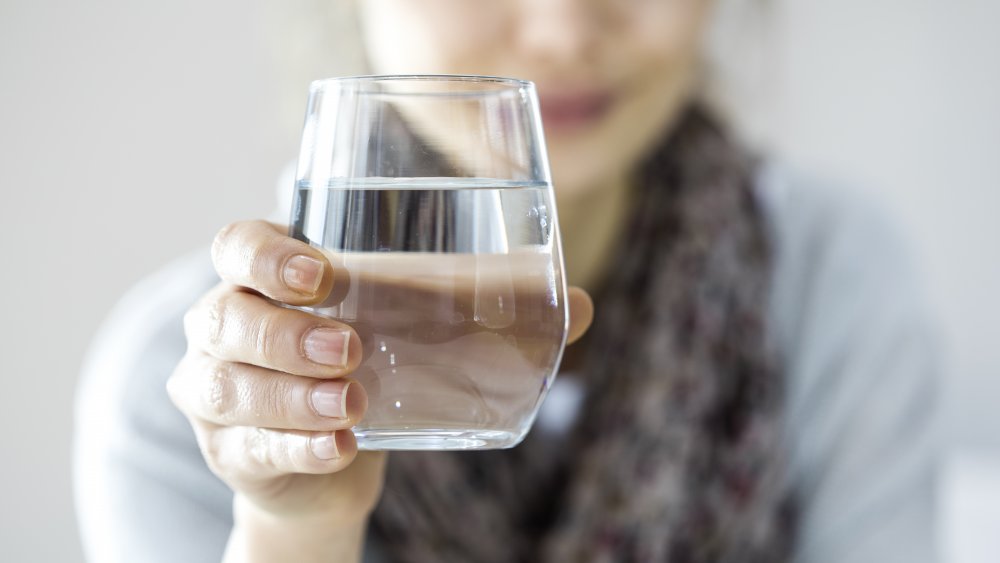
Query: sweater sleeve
863	359
143	491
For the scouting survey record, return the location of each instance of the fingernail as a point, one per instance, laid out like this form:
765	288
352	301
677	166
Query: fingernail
324	446
330	399
327	346
303	274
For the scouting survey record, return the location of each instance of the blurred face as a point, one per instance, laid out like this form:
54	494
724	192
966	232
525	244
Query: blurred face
611	74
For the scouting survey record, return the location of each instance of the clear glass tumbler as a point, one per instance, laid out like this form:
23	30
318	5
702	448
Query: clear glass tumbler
432	198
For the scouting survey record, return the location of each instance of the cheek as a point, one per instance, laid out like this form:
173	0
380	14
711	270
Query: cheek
665	76
658	56
667	36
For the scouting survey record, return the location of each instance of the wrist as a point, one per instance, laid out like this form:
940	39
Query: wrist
260	536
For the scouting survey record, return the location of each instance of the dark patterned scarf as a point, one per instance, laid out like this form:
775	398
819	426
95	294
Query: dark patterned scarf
677	453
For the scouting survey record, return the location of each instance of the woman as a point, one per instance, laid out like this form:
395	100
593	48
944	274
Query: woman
757	385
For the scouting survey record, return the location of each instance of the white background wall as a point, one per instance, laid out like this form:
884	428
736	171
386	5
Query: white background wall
129	132
905	97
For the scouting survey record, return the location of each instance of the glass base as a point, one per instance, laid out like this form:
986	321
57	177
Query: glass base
432	439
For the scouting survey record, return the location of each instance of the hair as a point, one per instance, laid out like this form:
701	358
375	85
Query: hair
313	39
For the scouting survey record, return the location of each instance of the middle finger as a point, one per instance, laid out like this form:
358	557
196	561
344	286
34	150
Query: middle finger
237	326
231	394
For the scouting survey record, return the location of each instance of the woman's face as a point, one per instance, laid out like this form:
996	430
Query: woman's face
611	74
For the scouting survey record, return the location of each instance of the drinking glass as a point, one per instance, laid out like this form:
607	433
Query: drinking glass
432	198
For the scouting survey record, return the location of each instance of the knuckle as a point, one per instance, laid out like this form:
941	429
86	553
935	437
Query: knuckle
259	257
219	396
205	322
268	338
273	398
265	258
210	444
214	316
259	447
221	242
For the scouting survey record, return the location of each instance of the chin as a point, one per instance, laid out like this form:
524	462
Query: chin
580	165
573	182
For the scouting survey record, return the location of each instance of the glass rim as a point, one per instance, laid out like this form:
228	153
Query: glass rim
509	83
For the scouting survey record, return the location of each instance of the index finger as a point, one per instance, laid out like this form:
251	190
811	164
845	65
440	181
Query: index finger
259	255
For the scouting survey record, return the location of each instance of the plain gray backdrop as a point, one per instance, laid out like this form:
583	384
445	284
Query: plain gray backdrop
131	131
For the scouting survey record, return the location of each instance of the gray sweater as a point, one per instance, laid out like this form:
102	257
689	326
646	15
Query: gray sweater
846	316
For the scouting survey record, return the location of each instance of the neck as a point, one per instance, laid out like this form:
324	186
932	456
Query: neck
590	221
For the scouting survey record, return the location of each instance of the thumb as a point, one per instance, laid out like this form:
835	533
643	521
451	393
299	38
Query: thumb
581	313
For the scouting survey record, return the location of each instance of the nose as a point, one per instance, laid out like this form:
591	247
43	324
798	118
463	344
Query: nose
560	31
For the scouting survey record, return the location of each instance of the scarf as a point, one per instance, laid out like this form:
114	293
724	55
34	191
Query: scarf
677	451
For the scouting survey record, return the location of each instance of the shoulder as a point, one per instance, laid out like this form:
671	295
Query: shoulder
858	343
827	220
848	315
838	254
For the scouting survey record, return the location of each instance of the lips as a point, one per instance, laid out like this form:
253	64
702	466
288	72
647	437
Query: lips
566	111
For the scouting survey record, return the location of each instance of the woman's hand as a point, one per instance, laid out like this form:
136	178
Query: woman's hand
267	391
